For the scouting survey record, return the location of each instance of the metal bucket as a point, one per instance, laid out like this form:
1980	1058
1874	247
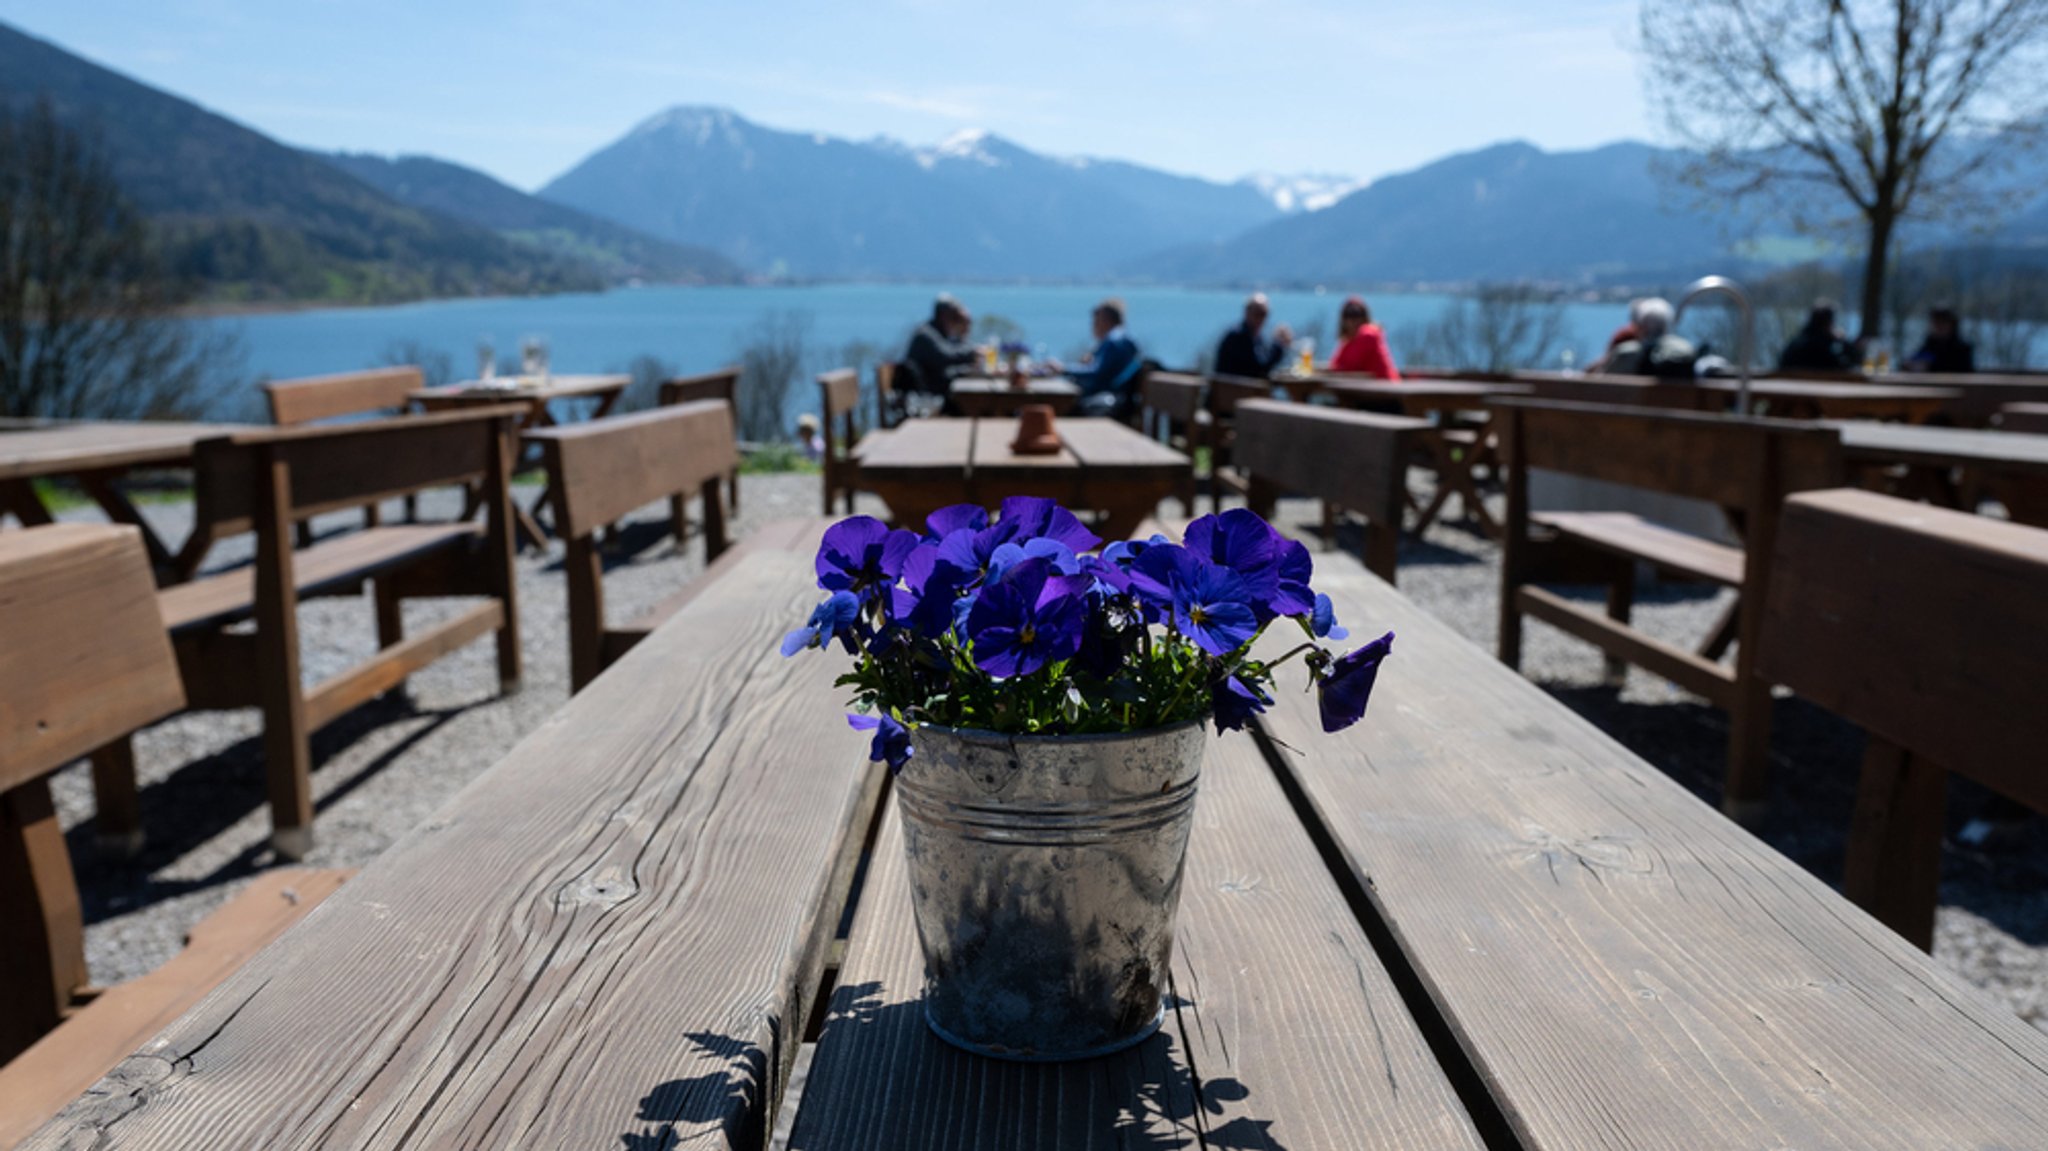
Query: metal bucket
1045	873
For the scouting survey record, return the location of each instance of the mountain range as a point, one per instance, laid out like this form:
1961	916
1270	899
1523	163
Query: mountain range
702	195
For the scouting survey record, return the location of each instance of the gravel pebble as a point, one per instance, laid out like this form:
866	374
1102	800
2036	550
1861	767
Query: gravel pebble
387	766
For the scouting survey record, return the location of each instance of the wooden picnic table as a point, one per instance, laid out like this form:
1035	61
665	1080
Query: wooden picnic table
977	396
1456	452
97	453
1472	922
539	394
1828	400
1102	466
1951	466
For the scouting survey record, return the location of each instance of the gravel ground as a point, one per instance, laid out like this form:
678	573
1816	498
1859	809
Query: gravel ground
388	765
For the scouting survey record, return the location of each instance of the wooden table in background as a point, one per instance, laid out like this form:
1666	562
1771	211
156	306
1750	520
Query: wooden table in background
97	453
538	396
1456	452
1473	921
981	396
1951	466
1821	400
1102	466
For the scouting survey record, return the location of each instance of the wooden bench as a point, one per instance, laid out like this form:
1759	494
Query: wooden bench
888	405
1746	466
723	384
263	482
1223	396
838	398
1355	460
1172	411
1929	629
603	469
621	927
315	399
85	663
2024	418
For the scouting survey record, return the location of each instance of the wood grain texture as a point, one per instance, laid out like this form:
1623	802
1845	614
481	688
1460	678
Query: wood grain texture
1861	577
1624	967
996	399
1356	459
84	659
40	1081
611	935
1285	1031
306	400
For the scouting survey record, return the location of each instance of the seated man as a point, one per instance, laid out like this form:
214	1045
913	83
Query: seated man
1245	351
1656	350
1944	349
938	352
1106	379
1819	346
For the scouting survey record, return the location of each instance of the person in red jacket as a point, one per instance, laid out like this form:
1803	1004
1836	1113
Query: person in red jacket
1362	346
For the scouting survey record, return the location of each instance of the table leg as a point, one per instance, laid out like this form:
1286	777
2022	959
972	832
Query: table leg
19	497
101	487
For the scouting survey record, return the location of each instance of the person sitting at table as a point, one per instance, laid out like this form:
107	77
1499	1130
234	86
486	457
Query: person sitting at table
807	437
1248	353
1944	349
1361	345
1819	346
1656	350
1106	378
1626	333
938	352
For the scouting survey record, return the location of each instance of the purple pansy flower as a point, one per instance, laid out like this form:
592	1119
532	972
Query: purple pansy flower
1323	620
1029	517
930	586
1209	604
861	554
835	617
1028	619
1241	541
959	517
1233	702
892	739
1342	692
1292	595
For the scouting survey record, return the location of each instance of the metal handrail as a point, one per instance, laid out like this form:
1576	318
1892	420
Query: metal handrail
1708	285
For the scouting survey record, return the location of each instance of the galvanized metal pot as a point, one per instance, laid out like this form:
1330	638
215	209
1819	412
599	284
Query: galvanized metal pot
1045	872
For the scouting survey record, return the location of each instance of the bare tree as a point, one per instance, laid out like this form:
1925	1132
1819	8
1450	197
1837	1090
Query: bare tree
88	324
1497	328
772	350
2007	313
1901	110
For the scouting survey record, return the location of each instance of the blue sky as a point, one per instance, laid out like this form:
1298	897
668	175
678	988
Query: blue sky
524	88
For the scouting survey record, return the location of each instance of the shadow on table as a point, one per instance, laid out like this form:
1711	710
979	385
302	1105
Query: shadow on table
728	1099
898	1086
202	799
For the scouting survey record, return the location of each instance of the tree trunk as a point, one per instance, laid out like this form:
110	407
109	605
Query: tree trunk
1876	262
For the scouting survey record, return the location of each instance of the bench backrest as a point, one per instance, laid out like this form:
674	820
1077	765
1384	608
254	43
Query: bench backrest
1226	392
603	469
1357	459
345	465
722	384
1927	627
1175	395
888	409
314	398
86	659
1624	391
1720	459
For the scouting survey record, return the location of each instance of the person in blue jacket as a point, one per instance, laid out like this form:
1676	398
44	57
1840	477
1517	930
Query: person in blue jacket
1112	369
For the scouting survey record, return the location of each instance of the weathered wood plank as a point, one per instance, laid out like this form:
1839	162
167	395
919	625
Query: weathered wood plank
1626	968
1284	1029
603	469
612	934
315	398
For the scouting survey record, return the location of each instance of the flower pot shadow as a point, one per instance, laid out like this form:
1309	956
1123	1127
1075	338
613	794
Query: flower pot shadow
727	1100
879	1069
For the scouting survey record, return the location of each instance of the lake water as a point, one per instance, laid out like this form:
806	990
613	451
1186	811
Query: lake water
698	329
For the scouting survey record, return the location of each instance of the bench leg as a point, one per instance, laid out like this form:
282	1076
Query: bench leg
287	744
1749	743
19	497
732	490
679	522
42	950
1621	602
1382	547
1725	629
118	807
1893	865
714	520
390	613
